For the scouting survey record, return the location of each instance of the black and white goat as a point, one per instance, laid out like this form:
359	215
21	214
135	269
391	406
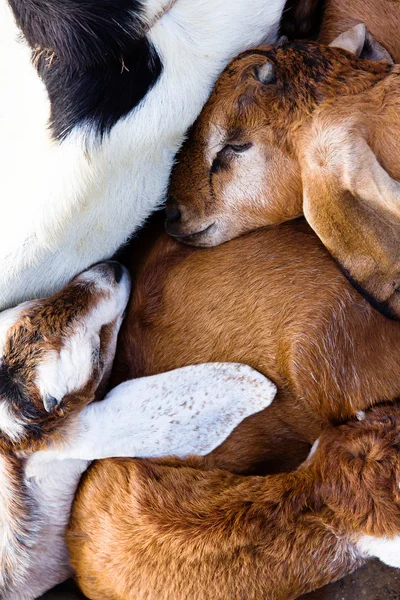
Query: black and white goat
88	147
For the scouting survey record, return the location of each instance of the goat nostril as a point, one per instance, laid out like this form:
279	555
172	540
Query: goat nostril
173	212
118	270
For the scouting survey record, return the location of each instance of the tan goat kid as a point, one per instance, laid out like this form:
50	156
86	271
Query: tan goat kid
276	300
301	129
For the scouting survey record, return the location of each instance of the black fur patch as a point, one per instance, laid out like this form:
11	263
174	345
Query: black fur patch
9	388
93	57
13	392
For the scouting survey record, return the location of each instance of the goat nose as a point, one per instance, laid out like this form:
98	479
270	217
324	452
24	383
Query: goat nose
117	268
172	211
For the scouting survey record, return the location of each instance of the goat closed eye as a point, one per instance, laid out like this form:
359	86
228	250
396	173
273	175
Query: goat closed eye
238	148
226	154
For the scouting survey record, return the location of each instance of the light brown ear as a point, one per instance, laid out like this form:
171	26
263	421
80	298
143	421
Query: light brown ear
353	205
359	41
352	40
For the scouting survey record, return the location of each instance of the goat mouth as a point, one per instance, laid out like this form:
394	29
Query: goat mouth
191	238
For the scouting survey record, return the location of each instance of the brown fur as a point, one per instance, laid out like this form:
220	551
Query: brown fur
308	132
381	18
276	300
189	533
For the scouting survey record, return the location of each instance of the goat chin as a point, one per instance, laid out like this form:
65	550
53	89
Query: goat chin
62	195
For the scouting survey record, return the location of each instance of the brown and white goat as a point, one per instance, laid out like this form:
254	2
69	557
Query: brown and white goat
276	300
301	129
55	358
55	355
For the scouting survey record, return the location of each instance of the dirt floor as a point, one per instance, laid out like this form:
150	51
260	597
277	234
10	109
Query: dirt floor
372	582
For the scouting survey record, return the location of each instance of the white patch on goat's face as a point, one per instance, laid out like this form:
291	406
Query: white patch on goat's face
9	423
62	373
8	318
215	142
386	549
246	184
65	372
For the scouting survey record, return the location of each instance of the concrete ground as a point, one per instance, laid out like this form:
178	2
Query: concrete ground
374	581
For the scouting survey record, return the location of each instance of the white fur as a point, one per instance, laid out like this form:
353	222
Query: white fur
190	410
63	373
72	204
69	370
12	553
386	549
8	318
9	425
247	185
47	562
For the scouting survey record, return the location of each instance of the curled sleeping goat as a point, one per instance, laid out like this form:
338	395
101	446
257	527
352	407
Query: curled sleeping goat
97	100
173	529
55	359
301	129
198	529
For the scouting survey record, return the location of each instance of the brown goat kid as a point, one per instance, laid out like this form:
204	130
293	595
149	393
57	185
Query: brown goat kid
276	300
301	129
171	530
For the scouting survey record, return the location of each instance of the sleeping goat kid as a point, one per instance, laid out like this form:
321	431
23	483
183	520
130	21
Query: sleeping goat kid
301	128
121	81
173	530
55	358
276	300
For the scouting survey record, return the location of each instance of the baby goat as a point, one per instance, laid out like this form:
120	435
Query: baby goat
273	299
301	129
55	358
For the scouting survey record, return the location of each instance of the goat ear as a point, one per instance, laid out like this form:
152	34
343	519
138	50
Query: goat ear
352	40
359	41
373	50
353	205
